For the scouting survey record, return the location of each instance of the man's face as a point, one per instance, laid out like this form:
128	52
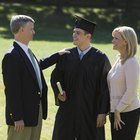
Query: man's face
79	37
28	31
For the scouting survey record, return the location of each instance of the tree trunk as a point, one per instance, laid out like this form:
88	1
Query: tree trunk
59	7
127	16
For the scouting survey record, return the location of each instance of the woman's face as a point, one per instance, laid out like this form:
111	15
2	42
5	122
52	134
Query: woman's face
118	42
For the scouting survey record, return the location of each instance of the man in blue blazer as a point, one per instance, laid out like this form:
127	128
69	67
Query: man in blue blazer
26	100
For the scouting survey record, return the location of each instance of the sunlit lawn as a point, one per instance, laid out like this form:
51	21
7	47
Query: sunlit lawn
42	48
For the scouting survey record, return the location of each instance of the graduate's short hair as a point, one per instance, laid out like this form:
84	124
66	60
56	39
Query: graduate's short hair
19	21
129	35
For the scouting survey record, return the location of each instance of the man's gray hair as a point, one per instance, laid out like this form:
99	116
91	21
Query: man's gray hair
19	21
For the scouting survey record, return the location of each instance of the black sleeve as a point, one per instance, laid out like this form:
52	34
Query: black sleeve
49	61
12	81
57	76
104	99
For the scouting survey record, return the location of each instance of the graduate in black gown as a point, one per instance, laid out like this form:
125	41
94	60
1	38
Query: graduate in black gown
85	101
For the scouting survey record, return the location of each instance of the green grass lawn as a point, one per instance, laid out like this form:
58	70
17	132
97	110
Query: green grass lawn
43	48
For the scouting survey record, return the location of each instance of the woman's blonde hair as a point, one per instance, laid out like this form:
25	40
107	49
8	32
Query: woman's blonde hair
129	35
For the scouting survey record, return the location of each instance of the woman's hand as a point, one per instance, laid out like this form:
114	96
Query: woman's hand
117	120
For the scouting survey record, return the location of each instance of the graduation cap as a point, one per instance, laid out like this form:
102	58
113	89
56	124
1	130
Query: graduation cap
84	24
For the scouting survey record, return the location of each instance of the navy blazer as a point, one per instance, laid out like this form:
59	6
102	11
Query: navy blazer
21	86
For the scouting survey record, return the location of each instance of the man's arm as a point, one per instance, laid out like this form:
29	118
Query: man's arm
57	76
52	59
11	78
104	99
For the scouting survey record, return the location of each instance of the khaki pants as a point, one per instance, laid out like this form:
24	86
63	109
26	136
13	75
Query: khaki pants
28	133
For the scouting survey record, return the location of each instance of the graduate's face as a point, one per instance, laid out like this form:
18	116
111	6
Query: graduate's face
79	37
118	42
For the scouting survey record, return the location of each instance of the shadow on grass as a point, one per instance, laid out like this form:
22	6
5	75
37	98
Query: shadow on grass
55	27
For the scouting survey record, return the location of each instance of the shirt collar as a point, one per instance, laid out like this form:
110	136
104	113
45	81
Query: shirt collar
85	51
23	46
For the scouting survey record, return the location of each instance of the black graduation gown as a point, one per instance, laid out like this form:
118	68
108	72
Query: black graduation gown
85	83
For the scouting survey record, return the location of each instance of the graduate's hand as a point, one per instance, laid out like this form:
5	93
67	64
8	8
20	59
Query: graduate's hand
62	97
61	52
117	120
19	125
101	120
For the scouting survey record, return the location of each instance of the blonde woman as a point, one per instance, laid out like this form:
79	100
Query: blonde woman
123	81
